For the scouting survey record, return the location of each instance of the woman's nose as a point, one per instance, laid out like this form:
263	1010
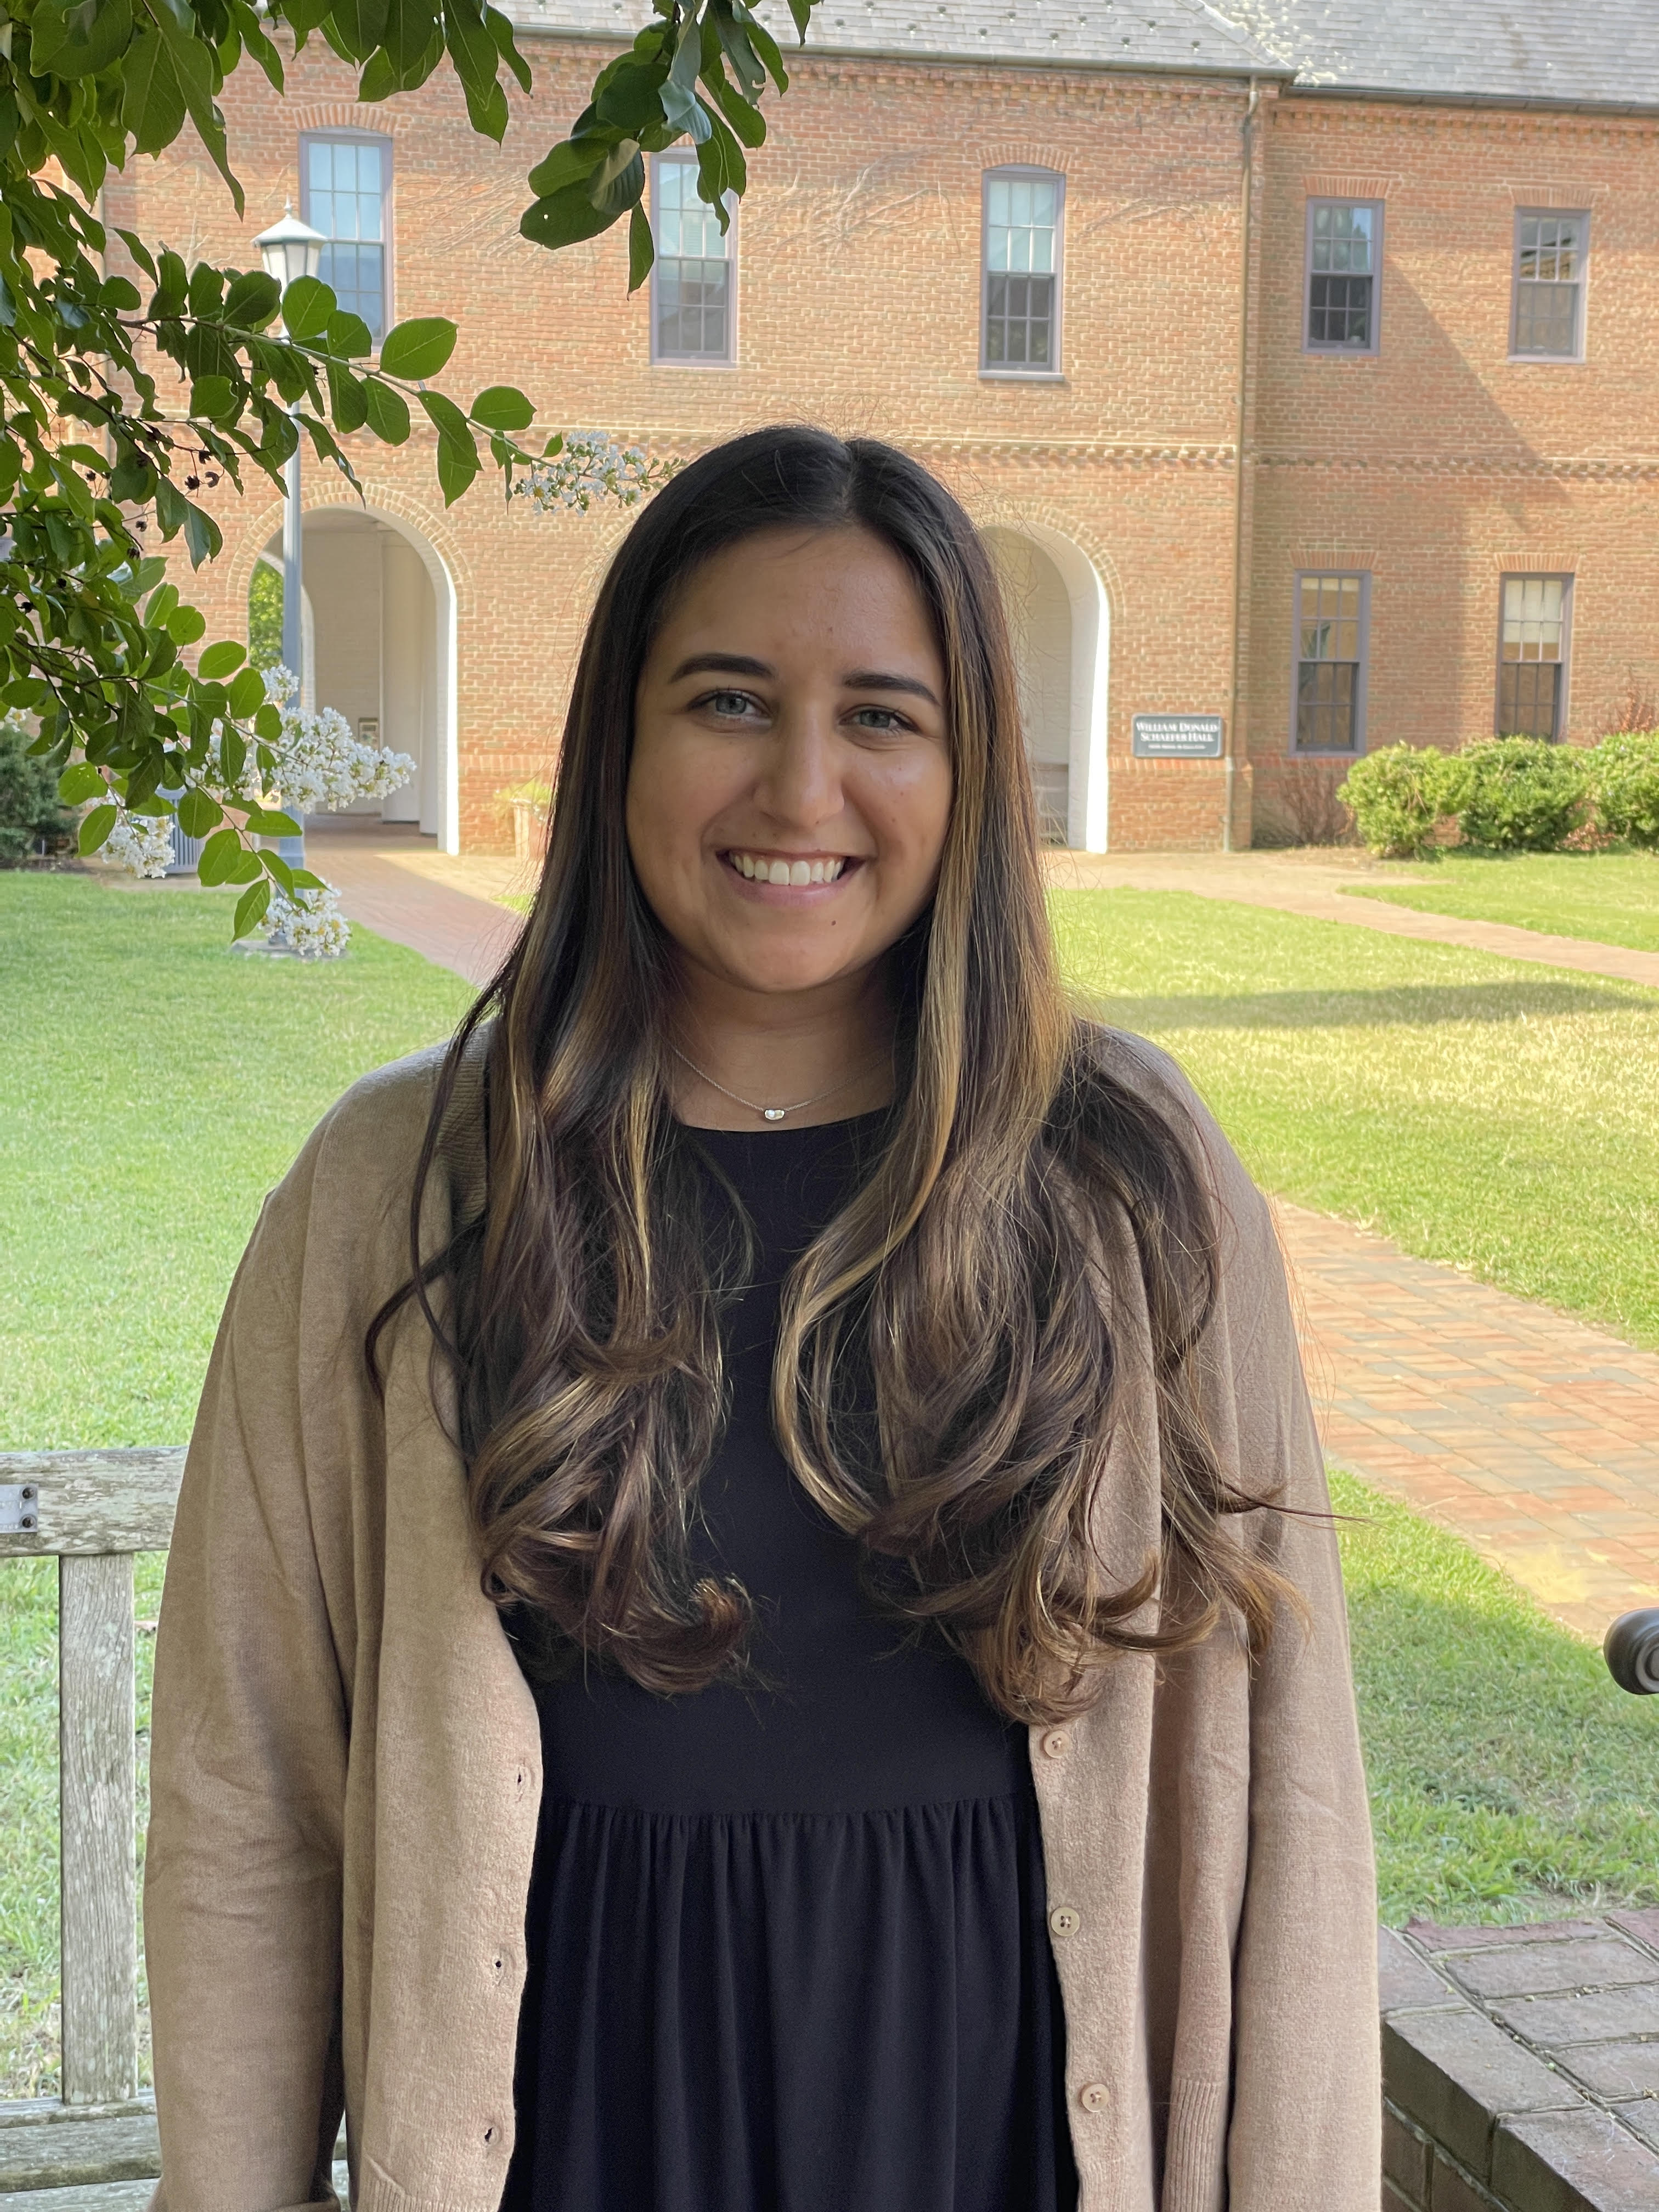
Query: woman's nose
800	781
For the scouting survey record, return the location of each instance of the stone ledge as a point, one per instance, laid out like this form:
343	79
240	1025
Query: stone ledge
1520	2067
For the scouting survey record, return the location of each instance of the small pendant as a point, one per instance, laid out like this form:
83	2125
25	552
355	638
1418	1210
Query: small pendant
774	1113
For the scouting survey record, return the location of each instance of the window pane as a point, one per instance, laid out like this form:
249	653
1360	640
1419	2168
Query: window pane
345	199
1328	663
1022	217
1548	270
692	298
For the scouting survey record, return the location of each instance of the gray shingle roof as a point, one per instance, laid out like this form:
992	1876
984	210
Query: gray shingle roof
1158	35
1548	53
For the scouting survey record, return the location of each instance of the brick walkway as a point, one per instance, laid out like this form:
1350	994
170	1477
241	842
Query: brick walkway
1531	1435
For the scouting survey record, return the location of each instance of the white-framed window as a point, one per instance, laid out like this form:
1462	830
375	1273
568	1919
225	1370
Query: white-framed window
1343	277
1333	622
1020	272
1546	321
1535	620
693	277
346	192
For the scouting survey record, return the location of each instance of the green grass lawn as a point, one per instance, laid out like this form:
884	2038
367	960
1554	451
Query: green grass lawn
1611	897
1511	1779
1497	1115
154	1086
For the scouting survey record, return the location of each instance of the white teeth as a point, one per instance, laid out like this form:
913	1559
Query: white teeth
760	870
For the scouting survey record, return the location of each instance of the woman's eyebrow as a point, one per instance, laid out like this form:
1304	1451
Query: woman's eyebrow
876	679
722	664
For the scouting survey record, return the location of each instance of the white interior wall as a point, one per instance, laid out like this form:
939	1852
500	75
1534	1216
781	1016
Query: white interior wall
1039	617
409	659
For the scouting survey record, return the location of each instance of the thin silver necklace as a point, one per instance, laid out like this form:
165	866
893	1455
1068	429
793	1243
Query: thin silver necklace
774	1112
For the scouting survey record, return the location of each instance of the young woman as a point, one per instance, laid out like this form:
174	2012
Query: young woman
753	1625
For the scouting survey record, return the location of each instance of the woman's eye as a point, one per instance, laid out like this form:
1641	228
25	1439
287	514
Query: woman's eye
730	706
883	719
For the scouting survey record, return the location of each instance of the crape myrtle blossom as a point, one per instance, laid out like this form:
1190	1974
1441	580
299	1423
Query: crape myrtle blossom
321	766
590	465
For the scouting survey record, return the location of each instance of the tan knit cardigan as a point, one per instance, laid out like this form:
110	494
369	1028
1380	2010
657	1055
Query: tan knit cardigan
347	1766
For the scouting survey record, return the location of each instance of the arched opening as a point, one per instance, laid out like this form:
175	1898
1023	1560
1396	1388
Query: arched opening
1058	615
379	635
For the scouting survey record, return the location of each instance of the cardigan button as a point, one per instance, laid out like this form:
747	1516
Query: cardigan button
1057	1742
1065	1920
1094	2096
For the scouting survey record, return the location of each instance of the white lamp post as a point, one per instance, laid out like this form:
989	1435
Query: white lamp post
292	249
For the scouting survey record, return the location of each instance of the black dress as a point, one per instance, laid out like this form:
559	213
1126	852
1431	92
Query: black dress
788	1949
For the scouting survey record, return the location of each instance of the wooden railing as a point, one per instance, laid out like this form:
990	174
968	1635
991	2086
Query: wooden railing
91	1511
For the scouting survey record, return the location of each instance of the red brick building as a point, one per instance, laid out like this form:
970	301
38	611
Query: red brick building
1303	366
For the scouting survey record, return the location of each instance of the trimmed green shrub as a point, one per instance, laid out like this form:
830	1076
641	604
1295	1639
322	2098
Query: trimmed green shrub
1398	796
1624	781
29	807
1520	794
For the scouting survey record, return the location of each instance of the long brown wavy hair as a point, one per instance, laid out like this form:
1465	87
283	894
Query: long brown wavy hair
970	1274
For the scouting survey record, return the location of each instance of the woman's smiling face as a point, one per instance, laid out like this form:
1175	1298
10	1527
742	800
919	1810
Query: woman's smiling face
791	782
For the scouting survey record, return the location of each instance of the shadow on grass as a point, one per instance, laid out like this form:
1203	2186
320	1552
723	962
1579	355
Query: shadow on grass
1509	1777
1411	1006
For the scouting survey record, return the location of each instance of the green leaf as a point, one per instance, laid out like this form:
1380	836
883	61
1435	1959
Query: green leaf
564	217
246	694
306	306
501	407
619	180
79	41
186	624
269	821
95	828
268	722
305	881
80	781
218	855
139	251
641	247
802	12
198	813
380	78
457	466
278	869
417	348
213	399
220	660
202	536
631	98
153	109
410	28
346	400
567	164
349	335
254	300
500	29
720	169
358	25
250	908
388	411
245	867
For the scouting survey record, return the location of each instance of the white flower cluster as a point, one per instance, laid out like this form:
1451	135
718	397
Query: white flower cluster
321	763
140	843
311	921
592	465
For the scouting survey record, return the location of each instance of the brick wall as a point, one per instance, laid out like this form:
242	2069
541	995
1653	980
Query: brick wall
1436	465
1520	2070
